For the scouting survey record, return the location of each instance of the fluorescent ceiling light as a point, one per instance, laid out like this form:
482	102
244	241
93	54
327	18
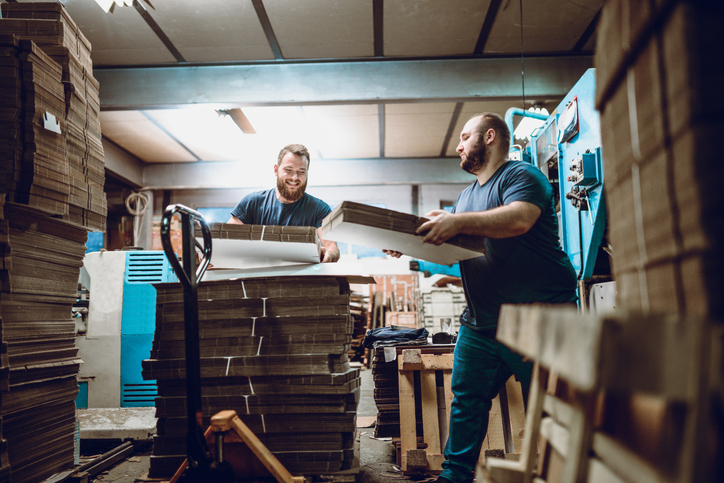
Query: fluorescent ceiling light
215	137
528	125
107	5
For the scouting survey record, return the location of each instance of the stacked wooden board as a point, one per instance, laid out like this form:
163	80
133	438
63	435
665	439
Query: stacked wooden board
51	187
275	351
73	101
375	227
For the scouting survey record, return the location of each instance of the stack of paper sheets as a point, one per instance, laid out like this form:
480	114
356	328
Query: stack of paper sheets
250	246
275	351
374	227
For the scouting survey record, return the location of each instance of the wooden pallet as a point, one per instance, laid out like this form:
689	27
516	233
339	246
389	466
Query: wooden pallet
435	410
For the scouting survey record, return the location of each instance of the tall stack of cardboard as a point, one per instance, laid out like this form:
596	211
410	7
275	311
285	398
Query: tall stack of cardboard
4	363
38	411
50	27
51	184
658	76
275	351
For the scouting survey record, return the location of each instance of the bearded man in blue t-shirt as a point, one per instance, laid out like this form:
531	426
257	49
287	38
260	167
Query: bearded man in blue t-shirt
511	205
287	204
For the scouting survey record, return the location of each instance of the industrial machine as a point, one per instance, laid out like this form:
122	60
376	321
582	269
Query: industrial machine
567	149
117	332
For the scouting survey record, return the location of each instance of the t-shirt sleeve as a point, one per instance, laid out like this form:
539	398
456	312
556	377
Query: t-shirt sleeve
527	185
323	210
243	210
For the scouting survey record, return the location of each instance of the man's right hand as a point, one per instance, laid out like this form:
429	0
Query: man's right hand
392	253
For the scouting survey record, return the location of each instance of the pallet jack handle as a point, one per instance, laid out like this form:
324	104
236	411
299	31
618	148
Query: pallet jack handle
189	274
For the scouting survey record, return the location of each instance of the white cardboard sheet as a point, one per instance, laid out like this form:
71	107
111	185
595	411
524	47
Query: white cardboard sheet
229	253
405	243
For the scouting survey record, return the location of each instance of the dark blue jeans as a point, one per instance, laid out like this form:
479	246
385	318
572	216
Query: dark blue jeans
481	367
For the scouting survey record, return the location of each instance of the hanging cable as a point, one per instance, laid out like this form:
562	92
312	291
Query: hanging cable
137	204
522	62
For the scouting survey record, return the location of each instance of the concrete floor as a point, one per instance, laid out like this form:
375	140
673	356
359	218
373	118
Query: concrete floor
377	458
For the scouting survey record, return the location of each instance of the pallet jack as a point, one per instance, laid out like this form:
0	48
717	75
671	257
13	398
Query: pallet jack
199	465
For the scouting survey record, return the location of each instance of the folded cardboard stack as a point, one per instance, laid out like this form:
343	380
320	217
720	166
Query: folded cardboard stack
246	246
375	227
275	351
50	27
38	291
657	92
52	176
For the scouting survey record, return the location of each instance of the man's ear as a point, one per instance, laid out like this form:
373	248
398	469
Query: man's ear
276	169
489	136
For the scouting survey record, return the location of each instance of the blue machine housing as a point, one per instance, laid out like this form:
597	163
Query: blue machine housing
138	322
580	175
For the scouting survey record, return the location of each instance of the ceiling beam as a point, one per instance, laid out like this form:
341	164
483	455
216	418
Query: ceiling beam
322	172
369	81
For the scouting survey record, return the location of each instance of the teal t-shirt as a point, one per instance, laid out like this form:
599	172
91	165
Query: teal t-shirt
528	268
263	208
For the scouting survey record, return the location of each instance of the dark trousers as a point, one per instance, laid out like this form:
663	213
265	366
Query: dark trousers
481	367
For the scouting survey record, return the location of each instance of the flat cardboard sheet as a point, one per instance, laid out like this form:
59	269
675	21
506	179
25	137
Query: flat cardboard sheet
261	253
374	227
354	273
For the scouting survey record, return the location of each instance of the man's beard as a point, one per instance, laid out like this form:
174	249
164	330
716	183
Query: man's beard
289	194
475	161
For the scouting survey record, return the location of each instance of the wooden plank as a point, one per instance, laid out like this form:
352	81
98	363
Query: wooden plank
622	461
600	473
559	338
430	421
408	431
265	456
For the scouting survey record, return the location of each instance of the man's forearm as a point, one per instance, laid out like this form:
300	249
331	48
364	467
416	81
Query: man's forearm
502	222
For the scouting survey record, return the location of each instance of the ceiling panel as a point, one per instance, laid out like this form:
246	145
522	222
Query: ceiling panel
432	27
135	133
319	29
416	130
118	38
345	132
213	30
547	26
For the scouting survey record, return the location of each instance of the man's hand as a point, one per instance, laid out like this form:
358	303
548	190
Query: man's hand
329	256
392	253
330	251
440	228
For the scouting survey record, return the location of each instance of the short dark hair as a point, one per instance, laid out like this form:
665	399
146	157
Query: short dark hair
490	120
298	149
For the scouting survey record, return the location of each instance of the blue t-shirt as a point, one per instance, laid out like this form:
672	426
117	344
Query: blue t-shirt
528	268
263	208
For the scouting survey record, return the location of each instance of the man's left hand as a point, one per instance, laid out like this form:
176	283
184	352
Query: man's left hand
440	228
329	255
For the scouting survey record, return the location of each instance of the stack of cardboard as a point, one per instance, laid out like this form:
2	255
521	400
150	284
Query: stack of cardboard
375	227
275	351
52	175
292	234
40	284
246	246
386	394
658	93
4	363
40	172
50	27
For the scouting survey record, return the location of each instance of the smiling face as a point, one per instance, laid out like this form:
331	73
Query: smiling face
291	175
